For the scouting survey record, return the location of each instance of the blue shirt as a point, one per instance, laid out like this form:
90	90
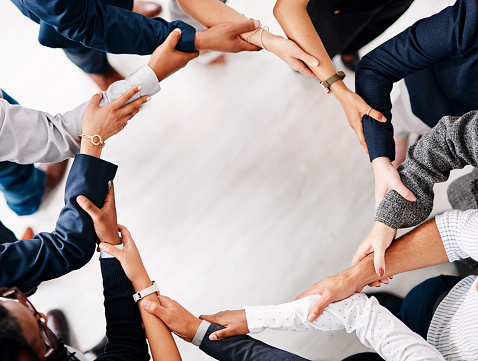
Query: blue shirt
438	57
101	25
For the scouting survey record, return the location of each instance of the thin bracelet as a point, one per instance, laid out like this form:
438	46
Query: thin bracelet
262	30
99	141
252	34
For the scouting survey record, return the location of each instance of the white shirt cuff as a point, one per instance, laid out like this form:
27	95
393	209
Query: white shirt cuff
107	255
200	333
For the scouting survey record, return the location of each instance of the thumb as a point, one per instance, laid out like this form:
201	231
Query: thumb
209	318
95	100
375	114
152	308
379	260
88	206
246	26
309	60
405	193
318	308
110	249
221	334
173	38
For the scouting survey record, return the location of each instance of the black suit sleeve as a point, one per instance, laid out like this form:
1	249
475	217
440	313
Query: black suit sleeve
72	244
245	348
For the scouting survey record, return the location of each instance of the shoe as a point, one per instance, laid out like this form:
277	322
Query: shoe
351	62
387	300
28	234
105	79
99	349
147	8
59	325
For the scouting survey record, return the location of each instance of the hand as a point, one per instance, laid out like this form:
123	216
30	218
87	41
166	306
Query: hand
386	179
291	53
129	258
113	117
104	219
235	323
166	60
332	289
378	240
175	317
226	37
355	108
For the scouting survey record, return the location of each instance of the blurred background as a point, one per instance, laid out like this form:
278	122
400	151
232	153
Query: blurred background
242	184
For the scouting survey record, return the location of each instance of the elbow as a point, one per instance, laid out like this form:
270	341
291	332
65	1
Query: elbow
283	8
278	10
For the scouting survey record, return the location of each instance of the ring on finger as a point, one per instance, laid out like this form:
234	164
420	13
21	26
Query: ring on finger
368	111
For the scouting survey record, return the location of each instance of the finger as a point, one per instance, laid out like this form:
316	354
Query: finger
110	195
245	26
361	253
110	249
375	114
173	38
318	308
209	318
191	56
123	99
405	192
134	105
308	59
221	334
88	206
125	234
164	300
385	281
95	100
374	284
308	292
303	69
361	137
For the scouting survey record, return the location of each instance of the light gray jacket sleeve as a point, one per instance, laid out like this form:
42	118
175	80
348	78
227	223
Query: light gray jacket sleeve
29	136
451	144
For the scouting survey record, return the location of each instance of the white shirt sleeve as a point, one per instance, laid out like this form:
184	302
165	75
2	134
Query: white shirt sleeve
459	233
375	326
30	136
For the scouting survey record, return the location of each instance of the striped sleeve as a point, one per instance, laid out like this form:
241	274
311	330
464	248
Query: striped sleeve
459	233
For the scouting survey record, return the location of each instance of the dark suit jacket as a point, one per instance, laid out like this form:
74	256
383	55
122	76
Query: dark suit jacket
244	348
105	25
71	245
438	58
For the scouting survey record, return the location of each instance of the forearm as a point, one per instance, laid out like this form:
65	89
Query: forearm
420	248
295	21
161	342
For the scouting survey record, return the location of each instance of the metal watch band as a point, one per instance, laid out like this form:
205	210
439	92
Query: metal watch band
138	296
327	83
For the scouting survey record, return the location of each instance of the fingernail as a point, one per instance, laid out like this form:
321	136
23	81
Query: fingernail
80	199
315	63
178	30
380	271
110	184
146	304
311	317
103	246
98	93
140	87
148	99
139	109
384	119
213	337
257	23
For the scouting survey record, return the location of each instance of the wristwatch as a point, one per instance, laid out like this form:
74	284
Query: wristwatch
327	83
138	296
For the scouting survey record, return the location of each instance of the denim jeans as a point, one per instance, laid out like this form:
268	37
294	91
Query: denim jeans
22	185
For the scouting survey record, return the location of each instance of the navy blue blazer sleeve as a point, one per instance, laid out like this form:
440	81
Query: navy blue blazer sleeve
72	244
245	348
126	337
429	41
104	27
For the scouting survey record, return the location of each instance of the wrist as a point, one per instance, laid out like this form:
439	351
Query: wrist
88	148
340	90
360	275
141	281
201	40
381	162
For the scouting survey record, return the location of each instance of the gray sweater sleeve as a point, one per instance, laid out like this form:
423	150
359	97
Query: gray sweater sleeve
452	144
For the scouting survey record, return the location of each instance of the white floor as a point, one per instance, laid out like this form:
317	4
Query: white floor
241	184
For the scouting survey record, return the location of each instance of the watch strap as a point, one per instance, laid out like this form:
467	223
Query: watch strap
138	296
327	83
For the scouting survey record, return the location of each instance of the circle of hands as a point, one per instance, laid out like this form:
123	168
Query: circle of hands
112	118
